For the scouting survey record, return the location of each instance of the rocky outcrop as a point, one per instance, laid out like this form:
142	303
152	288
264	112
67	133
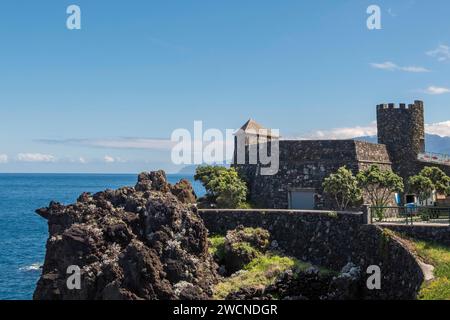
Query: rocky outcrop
184	192
145	242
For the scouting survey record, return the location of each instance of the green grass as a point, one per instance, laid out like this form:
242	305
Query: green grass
260	272
272	263
439	257
247	248
256	232
217	246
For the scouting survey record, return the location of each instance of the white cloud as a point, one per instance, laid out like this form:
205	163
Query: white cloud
342	133
433	90
414	69
82	160
35	157
385	66
441	53
109	159
390	66
117	143
440	128
3	158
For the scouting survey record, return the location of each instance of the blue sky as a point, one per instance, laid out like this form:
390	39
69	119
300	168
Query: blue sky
102	98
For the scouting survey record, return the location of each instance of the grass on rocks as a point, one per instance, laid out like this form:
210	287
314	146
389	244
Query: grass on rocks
217	246
261	272
439	257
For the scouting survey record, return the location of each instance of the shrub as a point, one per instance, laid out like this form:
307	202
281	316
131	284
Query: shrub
223	186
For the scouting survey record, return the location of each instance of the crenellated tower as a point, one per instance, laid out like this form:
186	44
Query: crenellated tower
402	129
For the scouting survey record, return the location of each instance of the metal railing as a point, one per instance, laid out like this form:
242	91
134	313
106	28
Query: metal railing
410	215
432	157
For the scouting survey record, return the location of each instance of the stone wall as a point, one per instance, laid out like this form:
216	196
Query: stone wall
437	234
368	154
305	164
331	240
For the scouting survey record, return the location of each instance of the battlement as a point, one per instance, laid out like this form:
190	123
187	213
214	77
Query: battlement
401	106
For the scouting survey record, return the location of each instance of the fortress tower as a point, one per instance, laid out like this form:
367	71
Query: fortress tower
402	129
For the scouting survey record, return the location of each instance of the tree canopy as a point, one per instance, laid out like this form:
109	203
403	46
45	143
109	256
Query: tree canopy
343	187
428	180
422	186
223	186
379	185
440	181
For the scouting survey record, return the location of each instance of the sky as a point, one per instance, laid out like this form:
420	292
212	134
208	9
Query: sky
107	97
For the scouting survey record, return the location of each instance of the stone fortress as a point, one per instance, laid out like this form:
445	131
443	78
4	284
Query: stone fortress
303	164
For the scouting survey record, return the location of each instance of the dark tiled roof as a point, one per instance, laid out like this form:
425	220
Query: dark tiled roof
251	126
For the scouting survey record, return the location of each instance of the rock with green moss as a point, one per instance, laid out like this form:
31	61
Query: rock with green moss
242	245
251	281
217	248
258	238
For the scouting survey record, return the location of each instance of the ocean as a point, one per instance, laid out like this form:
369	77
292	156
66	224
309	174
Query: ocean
23	233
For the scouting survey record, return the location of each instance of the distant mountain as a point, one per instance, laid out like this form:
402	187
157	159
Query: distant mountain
371	139
188	170
438	144
433	143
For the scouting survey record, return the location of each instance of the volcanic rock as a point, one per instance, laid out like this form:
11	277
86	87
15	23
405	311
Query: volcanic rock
145	242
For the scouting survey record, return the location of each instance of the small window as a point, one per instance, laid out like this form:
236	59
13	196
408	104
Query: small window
302	199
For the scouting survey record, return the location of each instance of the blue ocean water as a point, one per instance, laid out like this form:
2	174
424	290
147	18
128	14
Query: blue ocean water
23	233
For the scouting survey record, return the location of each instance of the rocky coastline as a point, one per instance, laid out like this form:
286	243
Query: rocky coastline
149	242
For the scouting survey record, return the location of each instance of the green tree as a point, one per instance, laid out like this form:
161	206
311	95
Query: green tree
422	186
223	186
379	185
343	187
205	174
440	181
